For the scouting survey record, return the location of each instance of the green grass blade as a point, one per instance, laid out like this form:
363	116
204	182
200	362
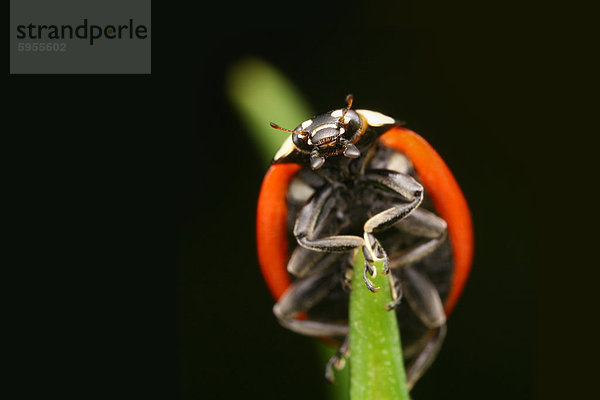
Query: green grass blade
376	364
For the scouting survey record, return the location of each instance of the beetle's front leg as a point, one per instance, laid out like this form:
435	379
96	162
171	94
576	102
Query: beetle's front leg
349	149
312	221
398	184
373	252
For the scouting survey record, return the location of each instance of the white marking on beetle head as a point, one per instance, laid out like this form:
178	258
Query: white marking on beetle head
375	118
337	113
307	123
286	148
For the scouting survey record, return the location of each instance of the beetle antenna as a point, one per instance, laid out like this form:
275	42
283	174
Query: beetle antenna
274	125
349	100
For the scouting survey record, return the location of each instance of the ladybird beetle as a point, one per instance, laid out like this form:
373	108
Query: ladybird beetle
356	180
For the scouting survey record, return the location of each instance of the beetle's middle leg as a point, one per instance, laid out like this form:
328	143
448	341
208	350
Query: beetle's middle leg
422	224
337	360
301	296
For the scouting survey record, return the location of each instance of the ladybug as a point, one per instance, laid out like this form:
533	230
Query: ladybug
357	180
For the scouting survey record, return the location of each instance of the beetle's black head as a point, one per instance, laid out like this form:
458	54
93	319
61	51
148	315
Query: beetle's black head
330	134
340	135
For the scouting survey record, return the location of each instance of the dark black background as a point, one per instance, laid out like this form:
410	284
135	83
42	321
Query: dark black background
137	274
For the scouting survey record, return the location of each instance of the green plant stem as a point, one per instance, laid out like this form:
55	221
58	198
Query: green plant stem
377	367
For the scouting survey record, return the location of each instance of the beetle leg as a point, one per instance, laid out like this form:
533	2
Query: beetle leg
337	360
302	295
424	224
347	279
399	184
373	252
423	297
402	185
397	293
424	300
316	160
369	267
349	149
418	366
305	262
307	226
426	350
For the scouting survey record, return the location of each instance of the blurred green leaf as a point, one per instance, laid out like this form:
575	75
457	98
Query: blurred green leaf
261	94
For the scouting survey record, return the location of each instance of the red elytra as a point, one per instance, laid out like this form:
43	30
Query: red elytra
271	230
432	171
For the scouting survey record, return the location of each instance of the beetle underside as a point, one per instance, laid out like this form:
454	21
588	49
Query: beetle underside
415	242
